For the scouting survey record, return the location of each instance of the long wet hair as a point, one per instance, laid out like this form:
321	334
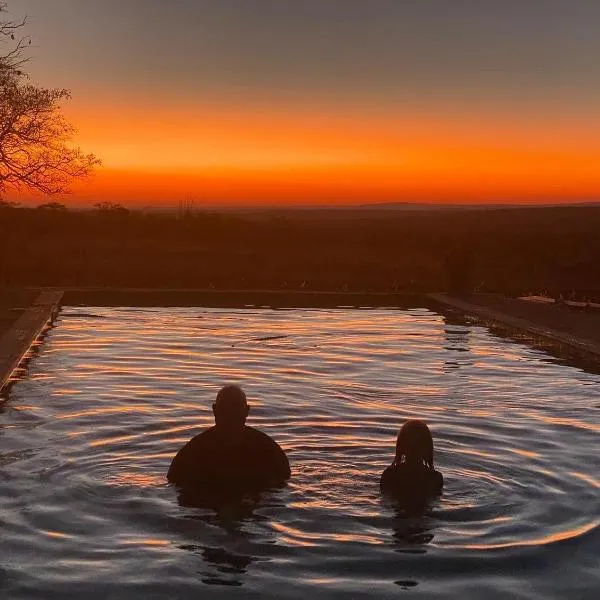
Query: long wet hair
414	444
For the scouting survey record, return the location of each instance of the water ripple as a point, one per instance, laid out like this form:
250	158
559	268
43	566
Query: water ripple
90	428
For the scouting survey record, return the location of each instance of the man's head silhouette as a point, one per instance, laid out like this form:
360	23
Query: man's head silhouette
230	408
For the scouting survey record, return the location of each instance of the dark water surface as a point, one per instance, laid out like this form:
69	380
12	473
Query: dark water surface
88	432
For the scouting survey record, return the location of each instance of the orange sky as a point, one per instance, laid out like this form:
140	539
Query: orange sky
220	155
217	155
344	101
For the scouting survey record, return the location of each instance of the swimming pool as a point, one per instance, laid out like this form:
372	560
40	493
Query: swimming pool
88	432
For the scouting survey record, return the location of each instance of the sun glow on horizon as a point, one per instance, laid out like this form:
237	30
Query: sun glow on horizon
342	102
226	156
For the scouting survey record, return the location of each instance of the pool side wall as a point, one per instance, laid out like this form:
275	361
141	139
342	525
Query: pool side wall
211	298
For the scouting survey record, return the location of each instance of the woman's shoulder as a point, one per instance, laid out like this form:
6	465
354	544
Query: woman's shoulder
396	477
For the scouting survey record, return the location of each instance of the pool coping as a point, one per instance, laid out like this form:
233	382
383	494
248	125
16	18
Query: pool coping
576	350
17	340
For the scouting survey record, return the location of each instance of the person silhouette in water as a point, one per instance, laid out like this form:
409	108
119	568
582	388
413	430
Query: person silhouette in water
412	478
230	456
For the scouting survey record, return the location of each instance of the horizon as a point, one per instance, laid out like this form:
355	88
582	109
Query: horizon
187	206
337	104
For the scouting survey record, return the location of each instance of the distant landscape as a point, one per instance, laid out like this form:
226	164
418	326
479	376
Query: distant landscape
553	250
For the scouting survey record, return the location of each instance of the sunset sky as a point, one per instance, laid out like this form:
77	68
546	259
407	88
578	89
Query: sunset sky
327	101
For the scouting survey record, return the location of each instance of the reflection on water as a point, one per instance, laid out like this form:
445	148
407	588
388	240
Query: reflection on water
88	431
456	343
412	530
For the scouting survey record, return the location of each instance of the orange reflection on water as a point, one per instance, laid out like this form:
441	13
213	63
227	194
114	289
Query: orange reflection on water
74	434
587	478
541	541
294	537
65	392
474	412
357	537
143	480
113	440
499	520
148	542
58	535
474	452
297	537
525	453
129	409
560	421
103	411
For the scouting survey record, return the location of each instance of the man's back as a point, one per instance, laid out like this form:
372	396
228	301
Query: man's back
248	459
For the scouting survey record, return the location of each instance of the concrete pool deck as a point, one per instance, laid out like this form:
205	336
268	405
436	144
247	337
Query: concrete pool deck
22	325
570	334
13	303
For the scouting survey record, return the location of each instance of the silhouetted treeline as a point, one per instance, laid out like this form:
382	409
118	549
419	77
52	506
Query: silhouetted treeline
556	250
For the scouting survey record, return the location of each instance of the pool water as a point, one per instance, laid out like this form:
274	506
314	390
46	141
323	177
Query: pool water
88	431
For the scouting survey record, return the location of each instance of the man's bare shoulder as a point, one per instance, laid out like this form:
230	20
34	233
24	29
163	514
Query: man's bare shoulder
270	450
189	453
258	437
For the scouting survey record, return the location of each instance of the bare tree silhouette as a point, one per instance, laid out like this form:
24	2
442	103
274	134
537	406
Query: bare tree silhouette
35	138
